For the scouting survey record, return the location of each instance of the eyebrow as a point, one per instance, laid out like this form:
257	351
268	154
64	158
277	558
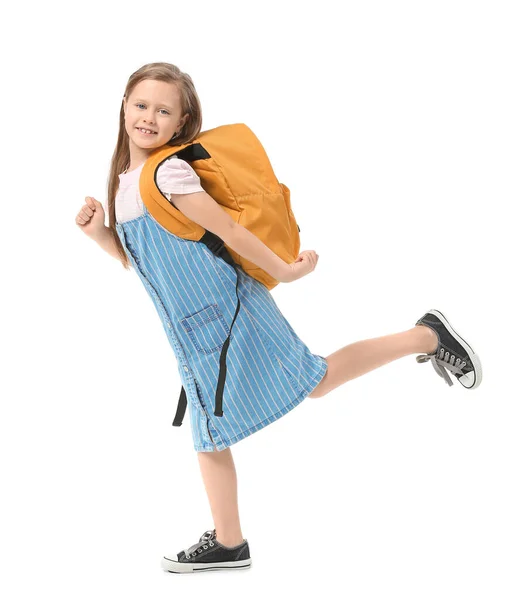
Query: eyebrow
165	105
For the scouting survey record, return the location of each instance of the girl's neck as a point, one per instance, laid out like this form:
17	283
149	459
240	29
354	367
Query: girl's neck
137	156
133	167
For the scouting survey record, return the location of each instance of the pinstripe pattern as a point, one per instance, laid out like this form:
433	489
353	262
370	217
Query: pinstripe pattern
270	370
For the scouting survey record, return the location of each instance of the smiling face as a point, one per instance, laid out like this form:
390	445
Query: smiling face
155	106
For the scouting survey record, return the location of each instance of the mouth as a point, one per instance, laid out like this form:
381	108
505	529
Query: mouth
145	131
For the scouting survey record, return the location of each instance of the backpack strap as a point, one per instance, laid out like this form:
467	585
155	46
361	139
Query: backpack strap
192	152
216	245
181	408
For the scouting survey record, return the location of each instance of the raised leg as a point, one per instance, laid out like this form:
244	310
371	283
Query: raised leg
361	357
220	480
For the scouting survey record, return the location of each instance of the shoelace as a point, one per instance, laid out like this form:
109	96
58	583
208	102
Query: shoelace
442	362
202	543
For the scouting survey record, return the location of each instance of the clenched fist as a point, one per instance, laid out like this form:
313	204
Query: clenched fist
305	263
90	218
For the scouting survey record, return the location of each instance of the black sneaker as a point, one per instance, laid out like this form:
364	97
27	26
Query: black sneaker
208	555
453	353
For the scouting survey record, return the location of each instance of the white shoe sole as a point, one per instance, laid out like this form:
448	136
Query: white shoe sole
471	380
174	566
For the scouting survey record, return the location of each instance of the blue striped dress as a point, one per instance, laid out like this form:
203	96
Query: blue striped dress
269	368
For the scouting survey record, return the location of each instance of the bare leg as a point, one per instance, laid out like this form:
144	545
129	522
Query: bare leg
220	481
361	357
218	468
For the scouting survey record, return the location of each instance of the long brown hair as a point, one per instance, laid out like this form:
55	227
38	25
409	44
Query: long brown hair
190	104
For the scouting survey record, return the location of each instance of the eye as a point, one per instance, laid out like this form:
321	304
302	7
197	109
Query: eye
141	104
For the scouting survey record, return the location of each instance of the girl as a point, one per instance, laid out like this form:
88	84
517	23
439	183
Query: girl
270	369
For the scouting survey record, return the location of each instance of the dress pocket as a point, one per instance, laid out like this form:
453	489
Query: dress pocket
207	329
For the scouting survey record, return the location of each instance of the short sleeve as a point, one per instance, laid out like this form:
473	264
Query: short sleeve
175	176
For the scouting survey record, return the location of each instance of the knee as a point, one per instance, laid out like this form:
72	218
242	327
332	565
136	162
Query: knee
321	388
316	393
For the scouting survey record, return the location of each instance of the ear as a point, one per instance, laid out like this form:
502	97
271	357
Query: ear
183	120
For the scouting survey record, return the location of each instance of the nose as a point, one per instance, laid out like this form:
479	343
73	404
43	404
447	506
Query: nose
148	119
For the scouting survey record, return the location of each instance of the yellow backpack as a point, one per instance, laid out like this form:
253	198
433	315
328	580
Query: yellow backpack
235	171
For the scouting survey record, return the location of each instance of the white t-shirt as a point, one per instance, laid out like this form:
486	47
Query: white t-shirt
175	176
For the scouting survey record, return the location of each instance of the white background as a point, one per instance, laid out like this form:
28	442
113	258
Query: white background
399	128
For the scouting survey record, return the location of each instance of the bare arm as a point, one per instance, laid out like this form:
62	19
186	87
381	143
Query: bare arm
106	241
202	209
249	246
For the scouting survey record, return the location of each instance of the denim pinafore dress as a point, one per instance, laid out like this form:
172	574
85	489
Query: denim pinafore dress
269	369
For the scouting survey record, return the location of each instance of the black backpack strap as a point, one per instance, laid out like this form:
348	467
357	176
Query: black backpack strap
181	408
193	152
216	245
222	361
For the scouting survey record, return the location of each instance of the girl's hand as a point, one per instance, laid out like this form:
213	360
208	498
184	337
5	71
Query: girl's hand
305	263
90	218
